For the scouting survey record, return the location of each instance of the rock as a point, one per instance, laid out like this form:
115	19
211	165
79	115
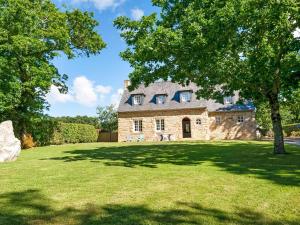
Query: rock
10	146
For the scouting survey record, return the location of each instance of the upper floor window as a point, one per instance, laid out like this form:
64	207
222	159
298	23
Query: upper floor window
218	120
185	96
240	119
160	125
228	100
138	125
138	99
161	99
198	121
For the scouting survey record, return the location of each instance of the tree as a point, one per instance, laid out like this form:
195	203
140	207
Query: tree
108	118
32	34
246	46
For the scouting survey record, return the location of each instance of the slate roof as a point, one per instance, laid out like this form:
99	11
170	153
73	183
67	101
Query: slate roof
172	92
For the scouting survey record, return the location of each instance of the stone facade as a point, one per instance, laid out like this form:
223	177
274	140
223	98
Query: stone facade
227	126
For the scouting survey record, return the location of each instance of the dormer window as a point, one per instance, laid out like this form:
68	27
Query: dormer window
185	96
161	99
228	100
138	99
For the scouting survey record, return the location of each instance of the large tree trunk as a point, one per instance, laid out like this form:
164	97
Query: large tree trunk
277	126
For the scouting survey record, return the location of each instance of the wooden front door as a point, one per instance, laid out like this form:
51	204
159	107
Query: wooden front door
186	128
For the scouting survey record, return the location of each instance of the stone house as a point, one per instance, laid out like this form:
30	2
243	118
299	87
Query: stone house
169	111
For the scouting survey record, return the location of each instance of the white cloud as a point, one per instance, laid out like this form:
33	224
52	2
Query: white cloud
116	97
102	4
103	89
55	96
297	33
137	14
84	92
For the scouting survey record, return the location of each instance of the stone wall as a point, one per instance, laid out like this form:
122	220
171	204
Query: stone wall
228	129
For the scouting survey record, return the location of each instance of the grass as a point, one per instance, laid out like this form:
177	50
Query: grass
142	184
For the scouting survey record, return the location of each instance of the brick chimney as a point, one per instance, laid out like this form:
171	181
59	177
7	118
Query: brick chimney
126	84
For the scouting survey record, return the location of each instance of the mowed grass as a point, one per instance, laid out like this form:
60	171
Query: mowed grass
135	184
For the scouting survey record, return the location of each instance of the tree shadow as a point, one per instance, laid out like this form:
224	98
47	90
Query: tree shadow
234	157
32	207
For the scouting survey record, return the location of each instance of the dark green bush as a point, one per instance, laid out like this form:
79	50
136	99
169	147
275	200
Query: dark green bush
292	128
74	133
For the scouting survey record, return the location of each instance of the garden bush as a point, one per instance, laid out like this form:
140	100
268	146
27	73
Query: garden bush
295	134
74	133
27	141
292	128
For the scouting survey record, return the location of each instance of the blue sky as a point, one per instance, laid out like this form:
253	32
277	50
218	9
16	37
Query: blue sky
97	80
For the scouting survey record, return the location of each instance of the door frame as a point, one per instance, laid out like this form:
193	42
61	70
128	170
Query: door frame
185	134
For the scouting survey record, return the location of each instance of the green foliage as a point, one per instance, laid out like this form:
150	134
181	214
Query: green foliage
42	129
79	119
32	34
263	116
292	129
108	118
295	133
246	46
74	133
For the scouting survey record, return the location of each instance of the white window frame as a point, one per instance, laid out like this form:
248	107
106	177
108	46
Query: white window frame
161	99
218	120
138	125
160	125
198	121
228	100
185	96
240	119
137	99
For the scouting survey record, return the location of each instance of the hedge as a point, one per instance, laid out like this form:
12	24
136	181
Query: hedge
74	133
292	129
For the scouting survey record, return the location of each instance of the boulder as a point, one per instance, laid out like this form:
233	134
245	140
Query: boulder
10	146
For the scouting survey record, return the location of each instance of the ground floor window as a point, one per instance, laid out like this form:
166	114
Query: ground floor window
240	119
160	125
198	121
218	120
138	125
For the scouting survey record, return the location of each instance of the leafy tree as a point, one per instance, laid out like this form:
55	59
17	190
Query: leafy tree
263	116
32	34
245	45
108	118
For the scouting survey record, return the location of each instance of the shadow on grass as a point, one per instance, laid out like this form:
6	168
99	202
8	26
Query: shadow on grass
238	158
31	207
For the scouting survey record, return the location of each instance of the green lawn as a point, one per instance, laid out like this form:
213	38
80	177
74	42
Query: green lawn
172	183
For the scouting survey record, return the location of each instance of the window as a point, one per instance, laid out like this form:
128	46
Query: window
138	125
137	99
218	120
161	99
186	96
228	100
240	119
198	121
160	125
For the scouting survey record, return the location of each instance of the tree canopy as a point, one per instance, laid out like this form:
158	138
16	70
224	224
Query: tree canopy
247	46
32	34
108	118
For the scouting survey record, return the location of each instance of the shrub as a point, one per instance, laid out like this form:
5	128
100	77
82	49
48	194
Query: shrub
27	141
74	133
293	128
295	134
